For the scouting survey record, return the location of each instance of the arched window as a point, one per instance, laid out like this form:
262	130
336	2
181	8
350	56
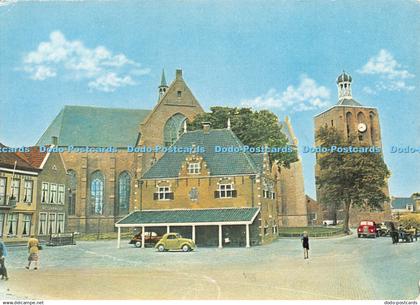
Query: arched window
349	123
97	193
173	129
124	189
372	128
72	191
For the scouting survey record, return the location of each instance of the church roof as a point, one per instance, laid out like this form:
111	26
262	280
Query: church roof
94	126
348	102
218	163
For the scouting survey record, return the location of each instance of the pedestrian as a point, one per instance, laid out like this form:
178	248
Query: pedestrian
394	233
305	244
33	249
3	254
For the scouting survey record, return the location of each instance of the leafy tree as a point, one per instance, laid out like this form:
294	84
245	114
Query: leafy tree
350	179
253	128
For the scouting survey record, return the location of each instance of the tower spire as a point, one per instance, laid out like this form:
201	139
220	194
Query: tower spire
163	85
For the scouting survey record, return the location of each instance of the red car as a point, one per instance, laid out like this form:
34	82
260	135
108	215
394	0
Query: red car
367	228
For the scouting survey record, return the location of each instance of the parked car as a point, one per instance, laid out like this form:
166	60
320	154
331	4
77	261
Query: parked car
174	241
149	238
382	229
328	222
367	228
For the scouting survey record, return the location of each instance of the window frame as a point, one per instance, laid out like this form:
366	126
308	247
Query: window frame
53	193
13	188
3	191
194	168
25	191
163	195
42	222
223	189
61	190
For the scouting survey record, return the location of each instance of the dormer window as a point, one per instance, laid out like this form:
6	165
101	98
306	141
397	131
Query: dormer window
194	168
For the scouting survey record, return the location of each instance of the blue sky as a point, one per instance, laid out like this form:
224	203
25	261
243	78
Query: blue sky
280	55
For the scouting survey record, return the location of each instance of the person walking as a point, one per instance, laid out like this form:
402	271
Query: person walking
33	249
305	244
3	254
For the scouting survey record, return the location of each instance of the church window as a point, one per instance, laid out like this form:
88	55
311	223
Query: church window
97	193
332	122
194	168
72	192
124	189
372	129
173	129
349	123
178	93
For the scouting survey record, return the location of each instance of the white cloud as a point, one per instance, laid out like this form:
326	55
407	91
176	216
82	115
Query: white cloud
72	60
307	96
110	81
392	75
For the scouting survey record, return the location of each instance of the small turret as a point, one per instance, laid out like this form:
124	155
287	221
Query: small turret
163	85
344	86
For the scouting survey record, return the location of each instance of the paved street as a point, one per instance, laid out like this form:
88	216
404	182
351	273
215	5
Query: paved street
339	268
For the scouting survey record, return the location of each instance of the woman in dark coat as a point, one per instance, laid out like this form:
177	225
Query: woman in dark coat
305	244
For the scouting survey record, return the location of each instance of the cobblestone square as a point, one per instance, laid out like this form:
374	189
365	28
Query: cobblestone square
338	268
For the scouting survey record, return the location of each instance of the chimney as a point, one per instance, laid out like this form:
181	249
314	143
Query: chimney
178	74
54	140
206	127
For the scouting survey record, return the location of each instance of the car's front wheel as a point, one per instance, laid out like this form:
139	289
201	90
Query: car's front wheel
186	248
161	248
137	244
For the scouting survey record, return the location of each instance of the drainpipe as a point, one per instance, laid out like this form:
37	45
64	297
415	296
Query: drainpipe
252	190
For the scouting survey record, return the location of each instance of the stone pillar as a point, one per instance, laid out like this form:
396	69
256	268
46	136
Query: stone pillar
193	233
143	232
119	238
220	237
247	236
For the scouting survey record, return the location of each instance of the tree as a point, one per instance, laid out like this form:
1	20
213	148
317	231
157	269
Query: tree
350	178
253	128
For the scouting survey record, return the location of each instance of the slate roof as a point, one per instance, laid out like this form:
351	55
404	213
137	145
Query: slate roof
95	127
219	164
401	202
34	157
7	160
190	216
348	102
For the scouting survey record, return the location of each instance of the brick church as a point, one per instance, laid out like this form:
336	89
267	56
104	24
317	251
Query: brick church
107	186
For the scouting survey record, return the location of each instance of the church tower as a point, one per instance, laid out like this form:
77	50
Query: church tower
351	119
163	87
